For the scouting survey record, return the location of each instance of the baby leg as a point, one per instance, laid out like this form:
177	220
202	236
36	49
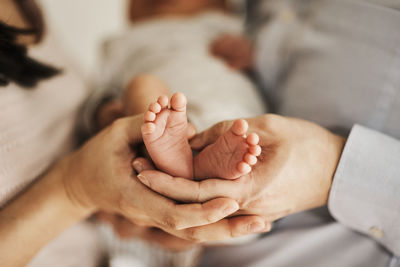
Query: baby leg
141	92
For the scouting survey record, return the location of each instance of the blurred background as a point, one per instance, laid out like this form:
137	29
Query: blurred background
92	21
88	21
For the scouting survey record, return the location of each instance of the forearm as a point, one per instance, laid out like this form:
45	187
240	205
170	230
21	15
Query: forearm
36	217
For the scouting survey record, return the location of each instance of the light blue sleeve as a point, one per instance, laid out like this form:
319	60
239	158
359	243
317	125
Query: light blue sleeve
365	193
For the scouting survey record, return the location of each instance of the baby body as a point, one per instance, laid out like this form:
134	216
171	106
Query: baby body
176	49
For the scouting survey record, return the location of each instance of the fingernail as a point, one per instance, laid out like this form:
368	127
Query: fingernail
143	180
191	131
138	166
231	209
255	227
268	227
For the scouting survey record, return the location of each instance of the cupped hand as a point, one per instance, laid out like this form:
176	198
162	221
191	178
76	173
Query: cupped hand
293	173
99	176
125	229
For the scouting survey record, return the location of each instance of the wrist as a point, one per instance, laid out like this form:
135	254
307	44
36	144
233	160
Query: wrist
37	216
72	180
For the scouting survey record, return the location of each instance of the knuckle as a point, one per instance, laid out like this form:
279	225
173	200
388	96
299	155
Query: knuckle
211	217
247	192
117	126
199	193
170	222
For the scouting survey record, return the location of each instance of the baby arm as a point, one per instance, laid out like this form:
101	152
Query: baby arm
235	50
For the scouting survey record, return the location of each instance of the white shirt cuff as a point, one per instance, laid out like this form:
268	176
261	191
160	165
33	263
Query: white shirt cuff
365	193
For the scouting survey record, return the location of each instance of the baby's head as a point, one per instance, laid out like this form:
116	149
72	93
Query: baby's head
142	9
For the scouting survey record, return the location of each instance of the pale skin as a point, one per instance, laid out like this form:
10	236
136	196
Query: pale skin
231	156
234	50
80	184
165	121
237	53
55	202
294	172
164	134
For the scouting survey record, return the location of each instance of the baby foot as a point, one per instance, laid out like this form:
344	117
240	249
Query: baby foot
231	156
165	136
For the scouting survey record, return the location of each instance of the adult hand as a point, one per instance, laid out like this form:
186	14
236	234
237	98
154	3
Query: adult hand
125	229
99	176
294	171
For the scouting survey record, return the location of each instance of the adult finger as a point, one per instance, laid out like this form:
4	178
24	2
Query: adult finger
142	164
190	191
165	212
225	229
128	129
210	135
183	216
191	131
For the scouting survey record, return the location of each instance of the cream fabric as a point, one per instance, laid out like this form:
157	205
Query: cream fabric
37	127
177	51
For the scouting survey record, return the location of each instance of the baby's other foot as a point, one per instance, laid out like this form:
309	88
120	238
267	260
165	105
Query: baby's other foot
165	136
231	156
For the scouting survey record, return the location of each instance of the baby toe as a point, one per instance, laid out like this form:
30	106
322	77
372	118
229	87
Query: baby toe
178	102
250	159
240	127
253	139
255	150
155	107
149	116
163	101
243	168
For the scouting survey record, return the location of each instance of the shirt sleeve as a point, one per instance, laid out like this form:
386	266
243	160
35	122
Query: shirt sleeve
365	193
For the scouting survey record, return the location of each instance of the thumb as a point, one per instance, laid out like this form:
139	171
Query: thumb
142	164
191	131
210	135
130	128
